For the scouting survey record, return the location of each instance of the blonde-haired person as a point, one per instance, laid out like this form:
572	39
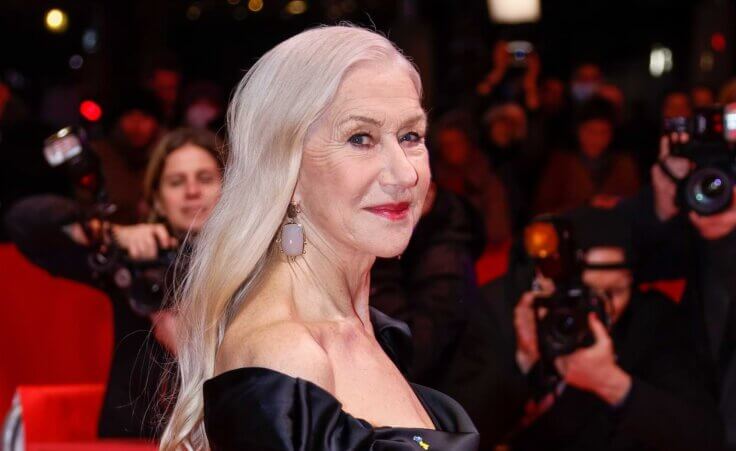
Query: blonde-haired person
279	348
182	184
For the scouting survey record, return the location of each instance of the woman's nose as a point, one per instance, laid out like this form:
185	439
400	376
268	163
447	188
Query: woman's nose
193	189
399	170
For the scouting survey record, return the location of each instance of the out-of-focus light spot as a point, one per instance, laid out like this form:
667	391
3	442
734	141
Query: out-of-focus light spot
90	110
240	13
90	41
56	20
75	62
718	42
194	12
514	11
295	7
706	61
660	61
255	5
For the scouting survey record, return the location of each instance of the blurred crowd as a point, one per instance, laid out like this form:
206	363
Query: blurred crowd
658	374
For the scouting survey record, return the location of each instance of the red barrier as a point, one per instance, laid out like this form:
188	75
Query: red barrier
102	445
493	263
52	331
60	413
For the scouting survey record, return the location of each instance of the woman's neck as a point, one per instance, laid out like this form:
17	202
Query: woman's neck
327	283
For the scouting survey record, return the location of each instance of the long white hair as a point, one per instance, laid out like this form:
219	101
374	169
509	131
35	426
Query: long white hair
272	108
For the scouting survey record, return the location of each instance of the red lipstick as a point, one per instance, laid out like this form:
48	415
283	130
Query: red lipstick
393	212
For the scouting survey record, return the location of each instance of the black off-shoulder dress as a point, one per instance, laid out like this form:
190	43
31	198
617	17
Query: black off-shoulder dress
265	410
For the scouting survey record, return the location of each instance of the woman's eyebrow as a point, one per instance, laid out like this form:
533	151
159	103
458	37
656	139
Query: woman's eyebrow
358	118
418	118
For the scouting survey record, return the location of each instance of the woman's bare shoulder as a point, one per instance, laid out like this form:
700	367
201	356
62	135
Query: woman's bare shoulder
285	346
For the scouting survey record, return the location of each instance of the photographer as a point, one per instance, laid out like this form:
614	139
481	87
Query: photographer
513	77
182	185
638	386
705	248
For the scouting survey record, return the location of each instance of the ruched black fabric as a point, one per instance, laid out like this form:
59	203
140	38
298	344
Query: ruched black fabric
261	409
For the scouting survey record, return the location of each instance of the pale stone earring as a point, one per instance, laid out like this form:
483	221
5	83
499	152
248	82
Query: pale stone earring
292	240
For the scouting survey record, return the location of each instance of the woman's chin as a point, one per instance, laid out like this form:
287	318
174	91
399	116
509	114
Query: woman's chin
390	250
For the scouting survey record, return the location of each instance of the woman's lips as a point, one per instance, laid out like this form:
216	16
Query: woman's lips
393	212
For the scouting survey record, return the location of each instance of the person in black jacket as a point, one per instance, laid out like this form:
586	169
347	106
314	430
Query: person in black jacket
640	386
700	249
183	182
433	283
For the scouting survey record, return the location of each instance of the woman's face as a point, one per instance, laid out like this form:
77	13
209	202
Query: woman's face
189	189
365	170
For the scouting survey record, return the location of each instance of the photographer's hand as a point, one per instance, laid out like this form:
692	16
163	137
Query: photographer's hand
164	329
501	62
665	189
527	350
594	369
142	241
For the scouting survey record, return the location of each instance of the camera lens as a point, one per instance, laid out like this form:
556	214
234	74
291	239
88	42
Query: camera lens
708	191
566	325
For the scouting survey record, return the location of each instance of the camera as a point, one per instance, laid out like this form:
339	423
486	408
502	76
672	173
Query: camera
562	318
144	283
68	149
519	51
708	189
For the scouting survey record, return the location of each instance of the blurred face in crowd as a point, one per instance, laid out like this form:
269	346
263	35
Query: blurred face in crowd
701	96
676	104
189	188
613	284
365	168
454	146
202	112
165	84
139	128
501	132
585	82
594	137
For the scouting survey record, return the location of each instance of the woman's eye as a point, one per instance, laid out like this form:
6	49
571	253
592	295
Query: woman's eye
412	137
360	139
175	182
206	178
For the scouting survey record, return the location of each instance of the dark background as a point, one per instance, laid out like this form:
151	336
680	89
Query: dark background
450	41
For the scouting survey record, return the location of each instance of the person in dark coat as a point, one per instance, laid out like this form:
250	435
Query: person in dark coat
433	283
701	250
183	184
640	386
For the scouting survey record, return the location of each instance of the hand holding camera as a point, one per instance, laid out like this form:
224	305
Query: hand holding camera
594	368
143	241
698	174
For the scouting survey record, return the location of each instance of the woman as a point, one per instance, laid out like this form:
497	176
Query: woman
182	185
596	174
328	170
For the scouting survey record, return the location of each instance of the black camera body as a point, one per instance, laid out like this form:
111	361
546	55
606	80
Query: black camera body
143	283
562	318
147	283
708	189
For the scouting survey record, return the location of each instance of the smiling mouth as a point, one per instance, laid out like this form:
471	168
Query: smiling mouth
393	212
